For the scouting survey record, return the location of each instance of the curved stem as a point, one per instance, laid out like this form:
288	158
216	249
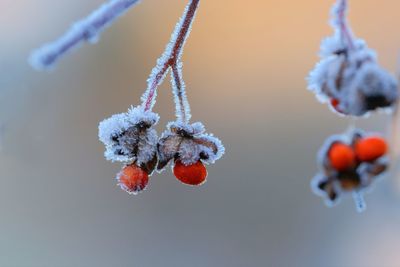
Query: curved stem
181	102
171	55
345	32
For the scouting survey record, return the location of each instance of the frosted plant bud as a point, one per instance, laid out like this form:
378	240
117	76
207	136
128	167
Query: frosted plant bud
130	138
349	163
188	144
348	76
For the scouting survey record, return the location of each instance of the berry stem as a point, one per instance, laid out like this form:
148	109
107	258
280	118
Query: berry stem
88	29
340	13
171	58
181	102
359	201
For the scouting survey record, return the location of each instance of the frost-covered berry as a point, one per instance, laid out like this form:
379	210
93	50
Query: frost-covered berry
349	163
193	174
341	156
132	179
130	138
188	144
370	148
348	77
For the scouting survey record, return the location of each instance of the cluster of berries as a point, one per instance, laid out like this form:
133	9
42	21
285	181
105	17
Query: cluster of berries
349	163
130	137
350	80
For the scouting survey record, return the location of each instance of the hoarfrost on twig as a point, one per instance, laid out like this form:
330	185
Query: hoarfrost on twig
87	29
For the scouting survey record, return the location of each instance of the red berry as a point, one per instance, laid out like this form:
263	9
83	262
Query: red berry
132	179
341	157
371	148
335	104
194	174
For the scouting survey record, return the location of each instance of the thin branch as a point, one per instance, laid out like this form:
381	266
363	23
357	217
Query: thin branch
87	29
171	55
340	21
181	101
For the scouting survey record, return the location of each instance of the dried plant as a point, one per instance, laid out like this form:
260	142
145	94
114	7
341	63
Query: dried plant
348	76
350	80
350	163
130	137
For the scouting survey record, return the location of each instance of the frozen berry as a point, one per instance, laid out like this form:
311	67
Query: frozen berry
341	157
371	148
194	174
132	179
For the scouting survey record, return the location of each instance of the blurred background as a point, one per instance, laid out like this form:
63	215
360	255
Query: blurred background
245	68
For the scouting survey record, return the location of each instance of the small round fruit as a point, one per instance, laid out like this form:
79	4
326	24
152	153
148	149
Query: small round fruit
371	148
341	157
194	174
335	104
132	179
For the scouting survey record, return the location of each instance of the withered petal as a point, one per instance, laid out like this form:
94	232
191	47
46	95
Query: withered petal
207	143
167	148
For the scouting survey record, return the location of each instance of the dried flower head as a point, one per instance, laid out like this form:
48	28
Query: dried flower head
348	76
130	138
349	163
188	144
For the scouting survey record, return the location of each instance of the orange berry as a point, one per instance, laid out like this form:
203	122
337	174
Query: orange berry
132	179
371	148
194	174
341	156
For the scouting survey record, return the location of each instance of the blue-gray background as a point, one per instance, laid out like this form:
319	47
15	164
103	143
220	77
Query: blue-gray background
245	67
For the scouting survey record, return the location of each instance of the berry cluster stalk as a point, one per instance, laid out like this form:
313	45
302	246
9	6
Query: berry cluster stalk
170	59
341	21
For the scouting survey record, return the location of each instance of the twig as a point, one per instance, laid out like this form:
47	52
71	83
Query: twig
171	57
340	21
87	29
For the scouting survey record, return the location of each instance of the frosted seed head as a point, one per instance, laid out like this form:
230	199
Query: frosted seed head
355	81
189	144
130	137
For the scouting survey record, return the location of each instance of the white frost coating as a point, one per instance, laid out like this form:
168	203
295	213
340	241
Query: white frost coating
189	144
129	137
182	106
87	29
359	201
158	74
349	74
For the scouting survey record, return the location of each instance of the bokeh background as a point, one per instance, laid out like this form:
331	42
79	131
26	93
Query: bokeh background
245	67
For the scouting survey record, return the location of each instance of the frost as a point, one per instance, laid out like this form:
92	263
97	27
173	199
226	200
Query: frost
189	144
87	29
179	90
130	138
348	76
331	184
